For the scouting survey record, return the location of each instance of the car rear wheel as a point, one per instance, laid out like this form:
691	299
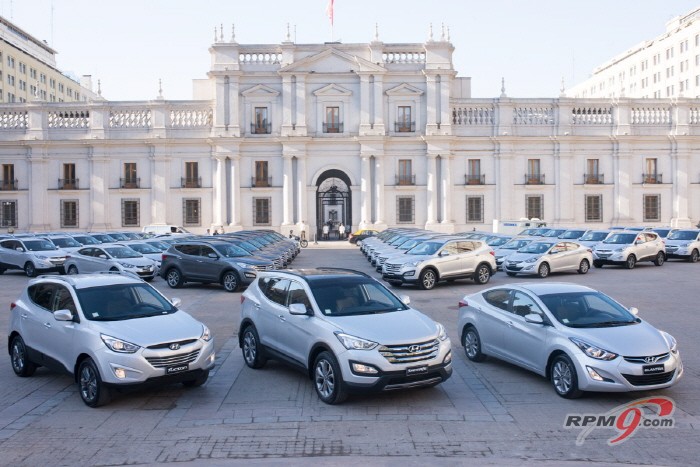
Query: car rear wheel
693	258
2	270
29	269
543	270
511	274
428	279
174	278
630	262
21	364
563	377
583	267
472	345
328	380
72	270
198	381
92	390
230	281
482	274
660	259
597	264
252	353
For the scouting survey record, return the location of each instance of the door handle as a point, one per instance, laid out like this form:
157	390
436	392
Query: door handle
24	316
281	317
510	324
47	325
257	306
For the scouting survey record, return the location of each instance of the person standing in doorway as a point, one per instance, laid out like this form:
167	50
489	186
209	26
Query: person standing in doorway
341	231
325	231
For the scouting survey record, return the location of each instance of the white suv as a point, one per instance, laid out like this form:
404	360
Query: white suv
108	330
33	255
627	248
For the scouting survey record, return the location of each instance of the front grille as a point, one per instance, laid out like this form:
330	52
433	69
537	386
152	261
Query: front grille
166	345
57	261
671	248
656	359
512	267
263	267
173	360
649	380
392	268
410	353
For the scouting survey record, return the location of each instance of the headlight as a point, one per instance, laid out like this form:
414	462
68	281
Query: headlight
354	343
442	335
671	341
244	265
685	245
593	351
127	265
42	257
206	334
118	345
532	260
619	250
413	264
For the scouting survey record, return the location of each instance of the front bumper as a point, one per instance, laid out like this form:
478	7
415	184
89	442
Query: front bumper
405	276
520	268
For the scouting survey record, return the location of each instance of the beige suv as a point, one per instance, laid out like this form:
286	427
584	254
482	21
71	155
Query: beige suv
441	259
627	248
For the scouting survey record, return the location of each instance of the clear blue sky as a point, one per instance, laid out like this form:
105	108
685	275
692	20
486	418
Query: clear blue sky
130	44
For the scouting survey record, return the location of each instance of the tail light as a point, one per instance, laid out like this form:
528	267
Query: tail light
12	306
589	250
492	253
462	303
162	258
242	299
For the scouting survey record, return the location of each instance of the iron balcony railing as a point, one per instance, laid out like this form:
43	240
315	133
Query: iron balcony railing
651	178
68	183
404	127
191	182
333	127
261	129
129	183
405	179
470	179
9	185
534	179
260	182
593	179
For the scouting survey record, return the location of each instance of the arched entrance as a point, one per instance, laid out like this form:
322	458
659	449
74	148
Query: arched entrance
333	202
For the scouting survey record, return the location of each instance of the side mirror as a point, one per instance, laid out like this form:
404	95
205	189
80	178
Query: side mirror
297	309
634	310
19	248
405	299
63	315
444	253
102	256
213	256
176	302
534	318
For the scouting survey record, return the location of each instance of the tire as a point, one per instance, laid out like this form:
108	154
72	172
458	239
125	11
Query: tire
29	269
660	259
583	267
72	270
427	279
174	278
21	364
328	381
482	275
597	264
511	274
471	342
197	382
148	279
543	270
113	270
2	270
252	352
563	377
304	243
630	262
693	258
230	281
92	390
395	284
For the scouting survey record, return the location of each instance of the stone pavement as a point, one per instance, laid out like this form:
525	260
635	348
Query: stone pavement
487	414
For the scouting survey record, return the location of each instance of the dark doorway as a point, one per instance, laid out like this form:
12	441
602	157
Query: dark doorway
333	203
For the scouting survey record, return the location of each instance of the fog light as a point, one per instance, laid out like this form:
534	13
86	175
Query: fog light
120	373
409	273
250	275
360	368
594	374
448	358
212	357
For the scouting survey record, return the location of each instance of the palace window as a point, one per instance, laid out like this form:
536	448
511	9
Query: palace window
652	208
405	176
192	178
475	209
191	211
8	213
130	213
130	180
594	208
262	177
533	176
474	176
8	181
404	120
262	123
534	206
332	123
69	181
69	213
261	211
405	209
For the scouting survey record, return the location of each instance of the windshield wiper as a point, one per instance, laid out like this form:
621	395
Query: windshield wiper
604	324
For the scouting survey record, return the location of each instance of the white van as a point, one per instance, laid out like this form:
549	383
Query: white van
165	229
515	227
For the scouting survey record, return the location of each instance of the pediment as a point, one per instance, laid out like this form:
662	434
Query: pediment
332	61
332	90
404	89
260	90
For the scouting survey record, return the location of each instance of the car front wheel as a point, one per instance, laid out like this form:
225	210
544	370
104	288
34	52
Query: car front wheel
693	258
428	279
230	281
543	270
563	377
327	379
92	390
29	269
630	262
21	364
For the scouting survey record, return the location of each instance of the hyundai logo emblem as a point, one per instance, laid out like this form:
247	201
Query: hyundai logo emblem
414	348
651	359
174	346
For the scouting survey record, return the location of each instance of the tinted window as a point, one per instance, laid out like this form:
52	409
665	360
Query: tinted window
620	238
122	301
498	298
683	235
120	252
63	300
587	310
206	251
276	291
185	249
231	251
524	305
65	242
86	240
42	294
144	248
39	245
536	248
353	296
297	294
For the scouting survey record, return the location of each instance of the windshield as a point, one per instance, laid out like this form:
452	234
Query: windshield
683	235
121	252
514	244
621	238
553	233
246	246
353	296
536	248
39	245
231	251
497	241
86	240
572	234
119	236
161	246
144	248
122	301
131	235
426	248
65	242
594	237
104	238
587	310
409	244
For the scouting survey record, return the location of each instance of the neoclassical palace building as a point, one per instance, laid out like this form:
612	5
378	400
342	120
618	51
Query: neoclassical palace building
369	135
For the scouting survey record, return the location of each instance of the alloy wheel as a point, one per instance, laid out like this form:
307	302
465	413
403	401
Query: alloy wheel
88	383
561	377
250	348
325	378
471	344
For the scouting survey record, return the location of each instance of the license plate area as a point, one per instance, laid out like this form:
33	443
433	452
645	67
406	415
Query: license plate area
653	369
171	370
419	370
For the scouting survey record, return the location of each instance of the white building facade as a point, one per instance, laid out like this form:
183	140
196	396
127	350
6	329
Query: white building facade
368	135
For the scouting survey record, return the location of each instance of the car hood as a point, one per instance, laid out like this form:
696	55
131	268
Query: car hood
397	327
636	340
406	258
60	253
153	330
518	257
503	253
678	242
589	243
143	261
612	246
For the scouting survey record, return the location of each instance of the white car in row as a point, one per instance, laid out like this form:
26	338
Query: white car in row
111	257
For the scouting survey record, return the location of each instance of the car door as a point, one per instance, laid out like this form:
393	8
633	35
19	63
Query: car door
188	260
296	331
557	257
100	260
34	318
447	259
272	308
467	259
58	336
209	264
525	343
14	253
491	319
83	260
653	242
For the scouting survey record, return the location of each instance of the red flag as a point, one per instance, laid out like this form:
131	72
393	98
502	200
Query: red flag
329	11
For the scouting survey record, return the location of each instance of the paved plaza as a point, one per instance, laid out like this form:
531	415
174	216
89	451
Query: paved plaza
487	413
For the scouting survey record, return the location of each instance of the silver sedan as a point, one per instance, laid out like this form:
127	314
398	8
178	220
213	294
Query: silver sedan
577	337
545	256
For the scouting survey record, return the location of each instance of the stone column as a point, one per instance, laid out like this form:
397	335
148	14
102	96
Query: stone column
38	196
446	188
300	129
364	104
379	223
235	192
681	188
431	191
99	199
622	178
378	105
287	191
431	104
234	105
160	188
219	184
287	97
365	193
301	194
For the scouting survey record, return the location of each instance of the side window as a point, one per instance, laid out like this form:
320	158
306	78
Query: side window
571	246
86	251
192	250
558	248
498	298
297	294
524	305
464	247
42	294
207	250
63	300
650	237
451	248
277	291
99	253
6	244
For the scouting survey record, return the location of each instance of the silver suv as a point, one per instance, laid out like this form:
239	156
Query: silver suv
344	329
33	255
628	248
108	330
684	244
441	259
